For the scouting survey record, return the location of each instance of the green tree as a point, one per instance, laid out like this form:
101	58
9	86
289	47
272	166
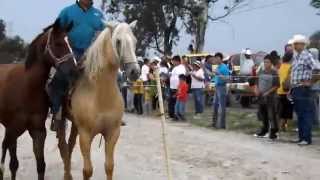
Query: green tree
315	3
161	21
2	30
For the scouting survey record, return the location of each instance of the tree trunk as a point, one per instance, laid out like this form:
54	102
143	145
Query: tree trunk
201	26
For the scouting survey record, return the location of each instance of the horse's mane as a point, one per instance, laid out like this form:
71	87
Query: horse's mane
32	51
96	54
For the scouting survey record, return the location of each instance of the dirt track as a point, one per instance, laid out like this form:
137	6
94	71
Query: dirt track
197	154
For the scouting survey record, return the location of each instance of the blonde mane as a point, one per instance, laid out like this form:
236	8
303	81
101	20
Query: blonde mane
105	49
96	54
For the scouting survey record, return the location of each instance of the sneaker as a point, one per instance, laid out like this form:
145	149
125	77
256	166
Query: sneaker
304	143
273	137
261	135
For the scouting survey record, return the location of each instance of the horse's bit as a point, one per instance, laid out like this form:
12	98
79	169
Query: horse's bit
49	50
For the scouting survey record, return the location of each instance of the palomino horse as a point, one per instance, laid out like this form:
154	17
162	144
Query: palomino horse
24	102
96	104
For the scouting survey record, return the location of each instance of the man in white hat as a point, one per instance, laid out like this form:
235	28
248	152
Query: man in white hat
246	63
197	87
301	76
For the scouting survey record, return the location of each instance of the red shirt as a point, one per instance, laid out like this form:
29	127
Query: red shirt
182	94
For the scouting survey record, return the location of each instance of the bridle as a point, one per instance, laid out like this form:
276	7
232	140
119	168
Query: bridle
58	61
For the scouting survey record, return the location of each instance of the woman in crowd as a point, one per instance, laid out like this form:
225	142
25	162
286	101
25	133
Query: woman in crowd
285	105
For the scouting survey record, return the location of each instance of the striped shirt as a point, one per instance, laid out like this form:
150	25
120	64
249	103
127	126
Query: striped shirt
302	66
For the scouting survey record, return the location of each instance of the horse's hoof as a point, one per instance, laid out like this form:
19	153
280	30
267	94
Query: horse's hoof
68	177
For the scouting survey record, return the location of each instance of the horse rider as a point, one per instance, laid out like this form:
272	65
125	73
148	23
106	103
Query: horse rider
87	23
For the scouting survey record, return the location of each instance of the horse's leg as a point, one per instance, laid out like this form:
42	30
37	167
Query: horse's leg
5	145
64	152
14	163
38	138
72	139
85	146
109	152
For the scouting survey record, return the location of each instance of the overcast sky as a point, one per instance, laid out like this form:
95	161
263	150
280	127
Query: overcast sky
261	29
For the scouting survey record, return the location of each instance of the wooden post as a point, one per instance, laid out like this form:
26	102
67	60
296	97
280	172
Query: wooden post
163	124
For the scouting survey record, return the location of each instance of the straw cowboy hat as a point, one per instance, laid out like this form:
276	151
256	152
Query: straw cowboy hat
300	39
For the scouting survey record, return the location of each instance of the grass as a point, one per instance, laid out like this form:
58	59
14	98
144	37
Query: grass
244	121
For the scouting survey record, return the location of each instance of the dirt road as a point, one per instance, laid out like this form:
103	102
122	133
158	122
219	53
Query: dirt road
197	154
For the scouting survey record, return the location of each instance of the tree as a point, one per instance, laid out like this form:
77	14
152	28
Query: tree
11	48
315	3
315	40
159	20
198	17
2	30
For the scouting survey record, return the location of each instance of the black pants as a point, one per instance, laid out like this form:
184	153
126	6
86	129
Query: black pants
268	115
154	103
124	91
172	103
137	101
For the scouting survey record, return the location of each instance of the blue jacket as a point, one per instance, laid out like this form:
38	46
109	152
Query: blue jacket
85	25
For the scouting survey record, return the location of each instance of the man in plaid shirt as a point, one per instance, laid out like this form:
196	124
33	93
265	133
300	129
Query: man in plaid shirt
301	76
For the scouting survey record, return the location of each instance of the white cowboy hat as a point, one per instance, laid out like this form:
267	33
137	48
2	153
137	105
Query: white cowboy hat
300	39
290	42
227	58
139	59
248	52
155	59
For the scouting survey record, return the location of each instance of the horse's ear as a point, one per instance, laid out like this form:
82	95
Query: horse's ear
112	24
133	24
69	27
56	25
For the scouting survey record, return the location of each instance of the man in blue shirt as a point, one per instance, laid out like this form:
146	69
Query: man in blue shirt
87	23
221	78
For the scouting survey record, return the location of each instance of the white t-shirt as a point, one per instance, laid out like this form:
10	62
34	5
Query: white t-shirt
246	65
163	70
196	84
176	72
145	70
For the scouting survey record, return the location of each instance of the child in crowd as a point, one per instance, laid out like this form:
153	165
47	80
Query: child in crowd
147	101
138	91
267	87
182	96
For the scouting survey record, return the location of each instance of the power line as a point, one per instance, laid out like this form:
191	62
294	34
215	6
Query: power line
262	7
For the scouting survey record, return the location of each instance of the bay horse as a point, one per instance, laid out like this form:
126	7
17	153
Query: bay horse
96	104
24	103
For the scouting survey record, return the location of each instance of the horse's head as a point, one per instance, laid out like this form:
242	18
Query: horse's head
58	50
124	44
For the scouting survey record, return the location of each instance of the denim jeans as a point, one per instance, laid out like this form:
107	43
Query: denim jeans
180	108
59	86
304	107
198	96
219	107
172	103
